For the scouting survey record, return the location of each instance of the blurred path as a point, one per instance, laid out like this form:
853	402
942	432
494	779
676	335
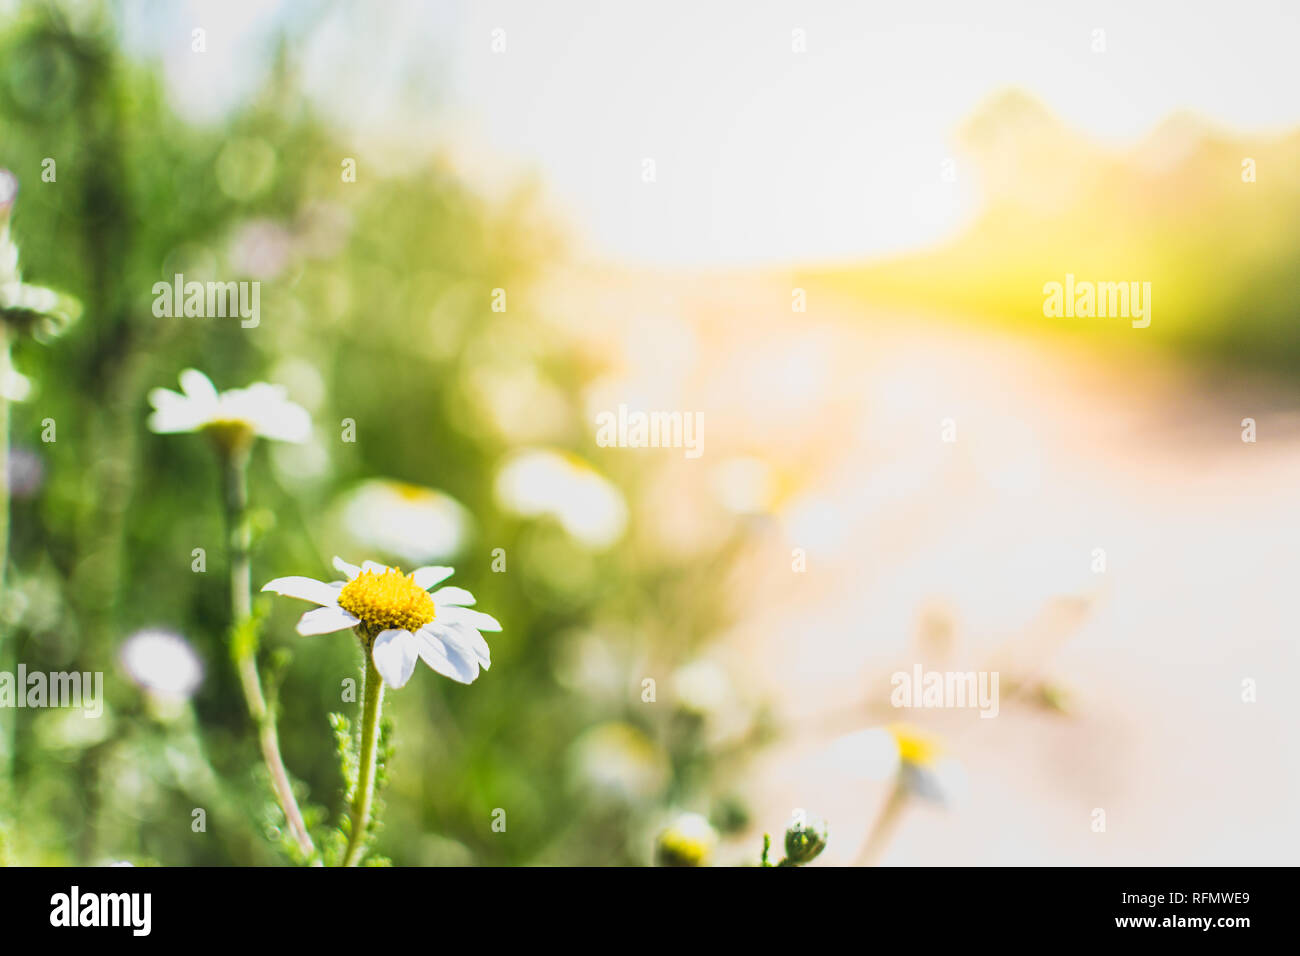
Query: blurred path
985	546
977	554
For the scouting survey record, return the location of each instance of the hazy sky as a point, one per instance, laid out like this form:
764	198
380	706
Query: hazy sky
761	154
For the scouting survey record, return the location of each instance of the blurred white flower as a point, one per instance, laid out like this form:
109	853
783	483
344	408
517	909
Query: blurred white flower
8	190
702	687
619	760
591	664
26	472
916	760
162	663
234	418
688	841
410	522
14	385
42	313
924	767
399	621
541	482
944	781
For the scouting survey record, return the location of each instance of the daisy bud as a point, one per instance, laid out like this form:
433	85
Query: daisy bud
687	841
805	839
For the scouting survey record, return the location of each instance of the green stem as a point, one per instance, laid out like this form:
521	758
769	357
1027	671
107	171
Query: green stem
235	476
239	541
884	826
363	798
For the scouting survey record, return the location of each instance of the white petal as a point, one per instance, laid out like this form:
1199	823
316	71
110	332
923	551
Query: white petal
428	577
452	635
374	567
290	423
165	398
472	641
452	595
341	566
268	408
170	421
15	386
198	386
395	653
326	620
445	656
870	754
174	412
449	614
307	589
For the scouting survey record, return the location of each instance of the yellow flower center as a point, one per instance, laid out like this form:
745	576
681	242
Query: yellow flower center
230	434
680	849
914	747
387	600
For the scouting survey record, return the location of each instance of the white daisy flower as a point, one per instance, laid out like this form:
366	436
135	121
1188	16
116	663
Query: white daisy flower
398	619
233	418
42	313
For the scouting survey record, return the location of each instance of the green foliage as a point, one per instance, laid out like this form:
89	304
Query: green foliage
345	745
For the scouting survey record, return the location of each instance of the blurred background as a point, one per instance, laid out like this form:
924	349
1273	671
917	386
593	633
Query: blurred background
825	228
